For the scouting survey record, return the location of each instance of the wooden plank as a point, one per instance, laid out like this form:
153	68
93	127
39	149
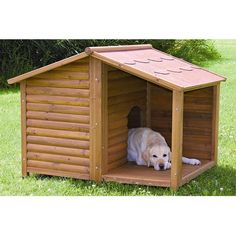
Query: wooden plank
34	90
117	156
58	150
64	75
58	133
75	101
215	122
89	50
61	142
133	174
47	68
193	174
97	97
177	139
148	106
116	164
77	84
57	125
117	148
42	115
104	160
58	166
64	109
52	172
46	157
23	128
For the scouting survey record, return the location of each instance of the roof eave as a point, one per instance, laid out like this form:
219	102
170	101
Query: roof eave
46	68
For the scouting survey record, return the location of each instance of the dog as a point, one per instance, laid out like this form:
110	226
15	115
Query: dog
149	148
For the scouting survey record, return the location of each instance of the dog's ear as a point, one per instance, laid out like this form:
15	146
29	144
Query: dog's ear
146	156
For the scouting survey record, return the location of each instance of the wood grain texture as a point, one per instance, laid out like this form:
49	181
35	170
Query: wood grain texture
58	133
97	99
125	91
64	109
177	139
46	157
23	128
58	150
215	122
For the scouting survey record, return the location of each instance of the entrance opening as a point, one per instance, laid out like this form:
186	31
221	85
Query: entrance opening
135	118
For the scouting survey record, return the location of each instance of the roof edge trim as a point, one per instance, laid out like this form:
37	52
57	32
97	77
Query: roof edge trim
47	68
90	50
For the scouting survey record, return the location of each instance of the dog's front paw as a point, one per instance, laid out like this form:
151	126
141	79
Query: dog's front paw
194	162
167	165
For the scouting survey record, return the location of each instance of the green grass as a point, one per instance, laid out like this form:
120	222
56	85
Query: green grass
220	180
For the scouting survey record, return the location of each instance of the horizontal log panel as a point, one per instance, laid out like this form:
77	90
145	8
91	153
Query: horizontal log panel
117	156
127	106
122	123
188	107
161	113
75	101
161	103
40	115
57	173
197	115
57	133
123	90
64	109
201	146
198	154
58	150
57	125
116	164
117	148
58	166
117	74
45	157
156	90
64	74
80	84
128	81
197	123
116	100
34	90
61	142
197	131
200	93
118	139
162	123
117	116
118	131
82	67
197	100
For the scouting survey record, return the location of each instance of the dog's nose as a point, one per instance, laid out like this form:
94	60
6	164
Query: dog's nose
161	166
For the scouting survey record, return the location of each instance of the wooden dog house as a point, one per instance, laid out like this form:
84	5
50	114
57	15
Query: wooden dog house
75	114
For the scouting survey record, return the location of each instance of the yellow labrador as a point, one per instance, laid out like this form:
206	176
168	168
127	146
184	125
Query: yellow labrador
147	147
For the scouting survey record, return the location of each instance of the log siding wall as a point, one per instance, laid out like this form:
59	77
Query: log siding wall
57	125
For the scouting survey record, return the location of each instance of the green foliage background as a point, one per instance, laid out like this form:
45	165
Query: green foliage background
20	56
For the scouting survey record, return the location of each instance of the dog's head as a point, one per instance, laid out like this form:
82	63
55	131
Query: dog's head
157	156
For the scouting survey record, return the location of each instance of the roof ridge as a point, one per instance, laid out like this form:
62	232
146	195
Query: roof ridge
90	50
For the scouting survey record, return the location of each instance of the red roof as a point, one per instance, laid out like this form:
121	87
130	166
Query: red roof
145	62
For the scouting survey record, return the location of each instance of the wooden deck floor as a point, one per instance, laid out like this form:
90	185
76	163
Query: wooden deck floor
133	174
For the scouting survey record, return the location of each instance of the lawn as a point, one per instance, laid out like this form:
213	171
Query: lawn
220	180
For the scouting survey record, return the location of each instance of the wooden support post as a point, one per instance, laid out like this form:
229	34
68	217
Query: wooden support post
23	128
148	106
98	119
215	122
177	139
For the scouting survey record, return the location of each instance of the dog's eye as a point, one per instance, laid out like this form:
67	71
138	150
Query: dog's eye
154	155
164	155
